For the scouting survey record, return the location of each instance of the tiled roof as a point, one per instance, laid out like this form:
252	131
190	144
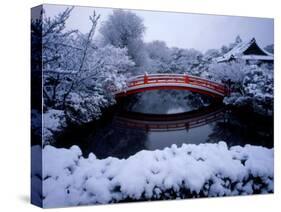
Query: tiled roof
237	52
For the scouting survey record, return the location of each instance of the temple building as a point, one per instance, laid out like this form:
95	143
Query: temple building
249	51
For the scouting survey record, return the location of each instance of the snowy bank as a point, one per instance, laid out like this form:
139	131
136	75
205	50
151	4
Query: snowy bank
204	170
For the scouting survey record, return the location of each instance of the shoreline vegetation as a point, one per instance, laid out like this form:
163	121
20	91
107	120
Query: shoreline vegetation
79	68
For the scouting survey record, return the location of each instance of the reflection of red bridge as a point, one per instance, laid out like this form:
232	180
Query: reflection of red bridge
173	81
169	122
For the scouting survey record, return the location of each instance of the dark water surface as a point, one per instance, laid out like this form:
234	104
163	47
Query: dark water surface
157	119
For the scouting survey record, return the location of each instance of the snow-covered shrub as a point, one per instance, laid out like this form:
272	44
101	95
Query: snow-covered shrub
258	85
204	170
237	99
53	122
85	107
250	85
256	90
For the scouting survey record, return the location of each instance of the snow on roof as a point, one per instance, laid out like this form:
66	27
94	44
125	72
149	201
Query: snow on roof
238	50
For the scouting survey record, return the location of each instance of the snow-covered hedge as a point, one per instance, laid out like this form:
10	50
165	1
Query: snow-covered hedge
204	170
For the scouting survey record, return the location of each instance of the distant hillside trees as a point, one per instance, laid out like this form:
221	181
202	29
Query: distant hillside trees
159	57
186	61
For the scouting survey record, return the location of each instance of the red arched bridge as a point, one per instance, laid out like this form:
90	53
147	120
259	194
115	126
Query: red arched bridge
147	82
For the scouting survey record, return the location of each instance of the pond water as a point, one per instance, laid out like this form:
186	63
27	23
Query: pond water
157	119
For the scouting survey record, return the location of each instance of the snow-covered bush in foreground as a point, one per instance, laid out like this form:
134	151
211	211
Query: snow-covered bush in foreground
204	170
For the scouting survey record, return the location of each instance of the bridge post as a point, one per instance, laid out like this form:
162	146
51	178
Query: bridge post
145	78
186	79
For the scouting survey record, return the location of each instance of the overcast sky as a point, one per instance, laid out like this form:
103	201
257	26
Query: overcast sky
183	30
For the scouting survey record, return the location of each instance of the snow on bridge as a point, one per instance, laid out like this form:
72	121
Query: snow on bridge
147	82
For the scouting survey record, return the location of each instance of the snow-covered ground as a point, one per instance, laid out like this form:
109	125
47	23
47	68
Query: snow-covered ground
176	172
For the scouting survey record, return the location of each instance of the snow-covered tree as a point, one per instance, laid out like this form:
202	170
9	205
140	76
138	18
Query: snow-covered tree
186	61
36	66
93	89
173	60
159	57
158	49
59	56
237	41
211	54
124	29
232	73
80	77
56	41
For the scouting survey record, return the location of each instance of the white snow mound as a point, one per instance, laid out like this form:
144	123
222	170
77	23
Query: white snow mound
176	172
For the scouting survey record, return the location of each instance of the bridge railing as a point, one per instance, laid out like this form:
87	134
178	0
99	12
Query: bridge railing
176	78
